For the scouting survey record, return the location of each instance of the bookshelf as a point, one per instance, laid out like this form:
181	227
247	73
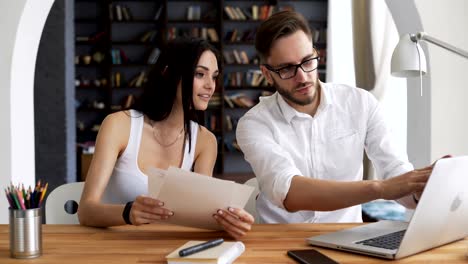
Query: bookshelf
243	82
117	41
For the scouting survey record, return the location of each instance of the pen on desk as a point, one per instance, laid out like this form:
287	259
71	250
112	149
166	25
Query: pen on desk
200	247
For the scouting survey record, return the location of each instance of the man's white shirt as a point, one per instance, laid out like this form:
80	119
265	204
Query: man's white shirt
280	143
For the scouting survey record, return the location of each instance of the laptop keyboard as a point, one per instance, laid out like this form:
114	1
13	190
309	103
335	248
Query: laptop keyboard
389	241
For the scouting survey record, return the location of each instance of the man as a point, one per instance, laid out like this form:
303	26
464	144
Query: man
305	143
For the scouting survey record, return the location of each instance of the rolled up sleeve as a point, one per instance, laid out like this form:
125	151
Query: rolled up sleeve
272	165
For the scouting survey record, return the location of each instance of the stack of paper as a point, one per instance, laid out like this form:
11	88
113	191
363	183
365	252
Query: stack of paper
194	198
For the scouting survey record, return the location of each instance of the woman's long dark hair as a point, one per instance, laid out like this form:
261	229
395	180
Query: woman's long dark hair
176	63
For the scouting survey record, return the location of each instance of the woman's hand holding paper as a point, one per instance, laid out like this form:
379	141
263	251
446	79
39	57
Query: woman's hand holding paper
237	222
146	210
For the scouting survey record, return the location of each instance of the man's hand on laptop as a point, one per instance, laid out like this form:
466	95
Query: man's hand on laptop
417	195
405	184
444	157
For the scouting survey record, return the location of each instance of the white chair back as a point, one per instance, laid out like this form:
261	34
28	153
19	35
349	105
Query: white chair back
251	206
57	200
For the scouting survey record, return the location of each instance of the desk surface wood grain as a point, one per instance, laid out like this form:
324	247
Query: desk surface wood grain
151	243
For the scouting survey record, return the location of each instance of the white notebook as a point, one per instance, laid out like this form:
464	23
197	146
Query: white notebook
225	253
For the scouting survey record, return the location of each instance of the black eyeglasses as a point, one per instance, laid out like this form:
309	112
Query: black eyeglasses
289	71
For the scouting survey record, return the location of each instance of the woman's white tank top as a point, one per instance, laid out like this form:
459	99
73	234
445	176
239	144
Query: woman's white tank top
127	180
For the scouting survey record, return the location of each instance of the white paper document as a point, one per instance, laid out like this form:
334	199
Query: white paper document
194	198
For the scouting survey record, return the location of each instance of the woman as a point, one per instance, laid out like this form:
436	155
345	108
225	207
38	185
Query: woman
158	132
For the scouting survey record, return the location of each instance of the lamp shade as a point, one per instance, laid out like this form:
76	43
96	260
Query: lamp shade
406	61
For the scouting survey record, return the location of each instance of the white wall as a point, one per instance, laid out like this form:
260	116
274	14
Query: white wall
447	21
340	60
21	28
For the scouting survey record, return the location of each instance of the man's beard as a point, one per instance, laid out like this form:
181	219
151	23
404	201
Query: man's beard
289	94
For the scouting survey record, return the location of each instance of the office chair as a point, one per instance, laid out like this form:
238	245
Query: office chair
251	203
57	201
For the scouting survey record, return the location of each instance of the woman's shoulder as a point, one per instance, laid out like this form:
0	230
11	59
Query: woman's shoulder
118	122
122	116
117	118
116	127
205	136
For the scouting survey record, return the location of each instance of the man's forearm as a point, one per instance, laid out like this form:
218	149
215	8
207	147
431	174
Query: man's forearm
325	195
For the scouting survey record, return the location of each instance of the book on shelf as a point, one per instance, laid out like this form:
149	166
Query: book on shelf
229	126
266	11
252	78
234	35
225	253
115	55
255	12
120	13
319	35
247	13
244	57
127	14
193	12
230	14
111	12
240	13
249	35
255	78
213	122
241	100
195	32
82	38
227	57
322	53
244	101
149	36
138	80
236	13
117	79
271	10
204	33
228	101
94	38
128	101
213	35
123	57
158	12
237	57
154	55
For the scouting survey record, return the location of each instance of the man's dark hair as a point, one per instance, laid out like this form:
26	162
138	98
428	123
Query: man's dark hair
278	25
176	63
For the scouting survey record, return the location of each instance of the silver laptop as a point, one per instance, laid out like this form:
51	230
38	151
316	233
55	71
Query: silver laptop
440	218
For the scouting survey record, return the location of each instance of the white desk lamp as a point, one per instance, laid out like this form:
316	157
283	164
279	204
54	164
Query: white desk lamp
408	59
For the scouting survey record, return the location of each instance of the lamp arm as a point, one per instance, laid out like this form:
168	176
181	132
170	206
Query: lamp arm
423	36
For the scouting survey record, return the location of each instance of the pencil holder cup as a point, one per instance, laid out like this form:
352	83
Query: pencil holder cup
25	233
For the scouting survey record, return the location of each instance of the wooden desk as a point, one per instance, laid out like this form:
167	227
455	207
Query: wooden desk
151	243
